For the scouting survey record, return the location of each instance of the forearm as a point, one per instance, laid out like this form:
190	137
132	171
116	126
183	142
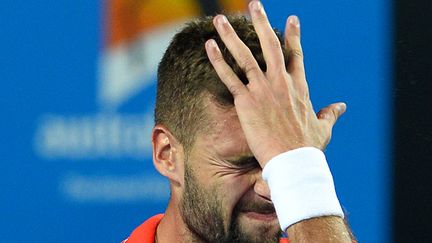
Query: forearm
321	229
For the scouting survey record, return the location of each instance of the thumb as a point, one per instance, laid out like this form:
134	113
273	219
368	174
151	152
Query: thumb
332	112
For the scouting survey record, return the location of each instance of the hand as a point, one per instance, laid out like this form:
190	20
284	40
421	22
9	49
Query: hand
274	108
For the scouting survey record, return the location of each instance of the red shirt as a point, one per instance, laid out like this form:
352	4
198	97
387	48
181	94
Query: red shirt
146	232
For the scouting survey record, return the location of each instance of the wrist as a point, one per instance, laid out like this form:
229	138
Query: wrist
301	186
273	151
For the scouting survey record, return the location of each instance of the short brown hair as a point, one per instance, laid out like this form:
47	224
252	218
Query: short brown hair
186	76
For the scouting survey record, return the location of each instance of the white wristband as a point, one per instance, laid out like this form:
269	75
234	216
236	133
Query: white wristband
301	186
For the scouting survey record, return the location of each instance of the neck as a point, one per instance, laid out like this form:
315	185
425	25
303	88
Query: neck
172	228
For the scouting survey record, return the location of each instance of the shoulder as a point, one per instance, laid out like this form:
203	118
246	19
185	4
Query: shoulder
145	233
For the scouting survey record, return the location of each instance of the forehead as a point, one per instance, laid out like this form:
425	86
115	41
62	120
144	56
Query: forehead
224	135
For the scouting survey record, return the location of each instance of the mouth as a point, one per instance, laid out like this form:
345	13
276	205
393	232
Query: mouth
258	210
261	216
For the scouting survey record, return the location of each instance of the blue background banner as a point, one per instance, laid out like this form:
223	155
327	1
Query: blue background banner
77	104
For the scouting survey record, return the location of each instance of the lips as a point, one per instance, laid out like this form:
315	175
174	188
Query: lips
260	212
256	209
259	208
268	216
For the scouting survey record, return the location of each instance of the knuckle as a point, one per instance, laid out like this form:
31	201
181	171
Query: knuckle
335	114
248	64
275	43
327	114
261	20
321	115
229	75
277	69
230	34
218	58
297	52
249	69
234	89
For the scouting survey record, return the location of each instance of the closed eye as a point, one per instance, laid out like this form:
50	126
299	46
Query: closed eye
239	166
245	162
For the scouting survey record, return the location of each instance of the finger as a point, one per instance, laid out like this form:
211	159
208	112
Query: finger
293	45
238	49
332	113
223	70
269	42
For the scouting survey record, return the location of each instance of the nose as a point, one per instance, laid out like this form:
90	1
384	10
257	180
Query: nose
261	188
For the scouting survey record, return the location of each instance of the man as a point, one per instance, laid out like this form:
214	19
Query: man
237	137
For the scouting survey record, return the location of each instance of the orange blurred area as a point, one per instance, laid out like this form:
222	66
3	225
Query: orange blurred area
127	19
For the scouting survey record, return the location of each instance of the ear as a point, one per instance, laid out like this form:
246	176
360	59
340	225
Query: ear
168	156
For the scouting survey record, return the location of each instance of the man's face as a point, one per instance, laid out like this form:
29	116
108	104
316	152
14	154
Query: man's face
225	198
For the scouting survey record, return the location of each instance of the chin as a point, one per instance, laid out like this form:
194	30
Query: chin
259	225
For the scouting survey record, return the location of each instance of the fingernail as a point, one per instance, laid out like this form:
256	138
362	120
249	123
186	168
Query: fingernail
222	20
342	107
256	6
294	21
211	43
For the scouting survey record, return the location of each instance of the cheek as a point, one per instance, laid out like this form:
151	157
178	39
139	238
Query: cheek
233	188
